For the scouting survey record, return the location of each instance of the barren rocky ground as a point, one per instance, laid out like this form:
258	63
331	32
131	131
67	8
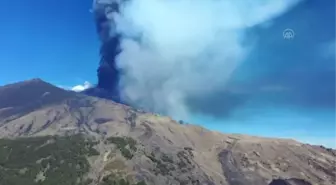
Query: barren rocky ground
143	147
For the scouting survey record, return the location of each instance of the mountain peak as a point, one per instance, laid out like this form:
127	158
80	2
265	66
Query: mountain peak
17	97
146	146
35	80
24	82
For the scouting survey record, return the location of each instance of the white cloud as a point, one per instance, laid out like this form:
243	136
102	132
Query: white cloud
79	88
185	48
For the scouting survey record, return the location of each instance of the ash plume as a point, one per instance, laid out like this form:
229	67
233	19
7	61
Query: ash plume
160	54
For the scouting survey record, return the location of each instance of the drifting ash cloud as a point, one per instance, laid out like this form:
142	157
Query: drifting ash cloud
175	50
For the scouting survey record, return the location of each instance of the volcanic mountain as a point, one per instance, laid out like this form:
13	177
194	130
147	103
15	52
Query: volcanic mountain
53	136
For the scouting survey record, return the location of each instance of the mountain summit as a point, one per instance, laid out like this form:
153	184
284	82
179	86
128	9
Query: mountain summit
53	136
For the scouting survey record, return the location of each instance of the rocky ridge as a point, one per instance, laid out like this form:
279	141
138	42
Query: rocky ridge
146	147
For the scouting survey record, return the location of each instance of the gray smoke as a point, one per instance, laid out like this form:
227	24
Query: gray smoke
174	51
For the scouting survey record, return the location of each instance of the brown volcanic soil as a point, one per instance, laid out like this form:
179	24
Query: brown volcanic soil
167	152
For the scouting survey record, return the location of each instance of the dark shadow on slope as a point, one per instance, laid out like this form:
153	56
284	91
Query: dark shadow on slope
232	173
102	93
292	181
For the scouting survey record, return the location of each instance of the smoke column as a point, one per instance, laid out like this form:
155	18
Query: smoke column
156	54
108	74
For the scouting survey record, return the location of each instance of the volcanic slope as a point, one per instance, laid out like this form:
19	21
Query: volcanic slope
52	136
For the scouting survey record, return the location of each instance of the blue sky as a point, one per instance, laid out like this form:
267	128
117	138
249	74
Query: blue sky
284	88
55	41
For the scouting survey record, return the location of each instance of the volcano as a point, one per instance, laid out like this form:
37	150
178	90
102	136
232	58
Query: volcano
52	136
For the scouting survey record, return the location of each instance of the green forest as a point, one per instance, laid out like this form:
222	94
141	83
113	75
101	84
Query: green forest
49	160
